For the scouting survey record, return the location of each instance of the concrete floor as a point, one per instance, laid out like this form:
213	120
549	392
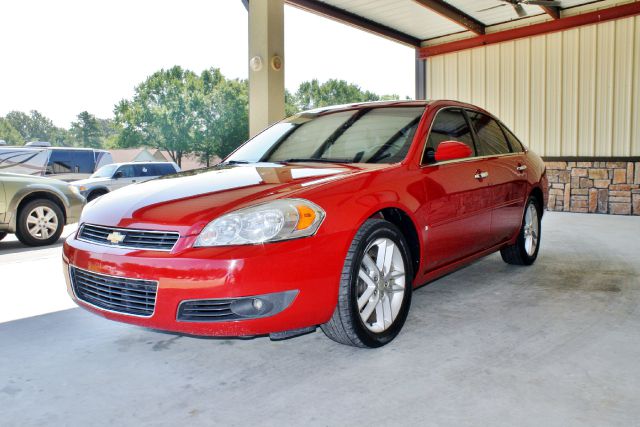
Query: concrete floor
556	344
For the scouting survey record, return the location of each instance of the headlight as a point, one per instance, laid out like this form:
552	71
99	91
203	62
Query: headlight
269	222
75	190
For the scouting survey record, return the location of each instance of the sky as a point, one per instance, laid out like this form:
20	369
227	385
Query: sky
61	57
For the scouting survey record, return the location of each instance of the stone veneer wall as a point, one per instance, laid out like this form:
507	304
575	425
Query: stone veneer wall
599	186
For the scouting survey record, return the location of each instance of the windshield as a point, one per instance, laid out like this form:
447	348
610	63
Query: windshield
105	171
370	135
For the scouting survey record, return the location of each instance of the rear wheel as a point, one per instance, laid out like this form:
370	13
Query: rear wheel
40	222
375	288
525	250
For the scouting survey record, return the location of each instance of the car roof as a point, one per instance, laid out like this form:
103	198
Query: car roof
369	104
382	104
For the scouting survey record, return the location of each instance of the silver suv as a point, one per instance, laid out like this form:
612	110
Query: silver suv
117	175
36	209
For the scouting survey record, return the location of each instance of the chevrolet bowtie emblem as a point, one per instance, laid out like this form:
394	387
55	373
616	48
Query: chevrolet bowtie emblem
115	237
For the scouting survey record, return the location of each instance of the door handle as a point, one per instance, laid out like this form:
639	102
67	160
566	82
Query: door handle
521	168
481	175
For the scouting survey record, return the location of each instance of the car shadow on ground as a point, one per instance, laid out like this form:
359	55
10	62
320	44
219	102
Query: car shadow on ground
15	246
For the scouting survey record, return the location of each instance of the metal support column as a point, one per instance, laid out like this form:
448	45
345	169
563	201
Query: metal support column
421	76
266	63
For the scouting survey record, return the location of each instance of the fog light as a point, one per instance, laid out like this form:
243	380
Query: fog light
258	304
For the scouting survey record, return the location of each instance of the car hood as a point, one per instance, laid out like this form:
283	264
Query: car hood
187	201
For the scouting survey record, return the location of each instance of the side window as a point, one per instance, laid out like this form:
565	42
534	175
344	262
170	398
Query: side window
144	170
492	140
127	171
449	125
103	158
164	169
515	143
70	161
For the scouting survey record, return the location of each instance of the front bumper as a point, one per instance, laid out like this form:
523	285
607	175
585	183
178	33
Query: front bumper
74	210
309	267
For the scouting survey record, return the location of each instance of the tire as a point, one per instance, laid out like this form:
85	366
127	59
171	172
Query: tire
40	223
2	235
347	325
95	194
525	250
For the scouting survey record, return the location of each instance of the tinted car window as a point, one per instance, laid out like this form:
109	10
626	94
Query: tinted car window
515	143
492	140
70	161
144	170
449	125
127	171
102	159
163	169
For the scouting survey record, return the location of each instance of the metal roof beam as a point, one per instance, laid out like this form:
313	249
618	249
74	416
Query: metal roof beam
552	11
601	15
358	21
456	15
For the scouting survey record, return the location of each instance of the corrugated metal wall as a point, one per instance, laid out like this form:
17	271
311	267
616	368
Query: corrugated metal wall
572	93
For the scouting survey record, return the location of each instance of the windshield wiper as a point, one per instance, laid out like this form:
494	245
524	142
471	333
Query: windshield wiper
316	160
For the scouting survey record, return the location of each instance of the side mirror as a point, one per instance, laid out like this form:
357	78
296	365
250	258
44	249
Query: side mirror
118	175
449	150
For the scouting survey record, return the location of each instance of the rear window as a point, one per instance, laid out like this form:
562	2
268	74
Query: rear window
70	161
515	143
492	139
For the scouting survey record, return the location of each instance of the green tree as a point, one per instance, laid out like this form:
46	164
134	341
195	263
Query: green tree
87	131
10	134
225	116
33	126
313	94
161	113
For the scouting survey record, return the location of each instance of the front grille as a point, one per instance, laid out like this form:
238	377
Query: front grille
129	296
129	238
213	310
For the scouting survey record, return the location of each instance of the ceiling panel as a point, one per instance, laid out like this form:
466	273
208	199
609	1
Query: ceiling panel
404	15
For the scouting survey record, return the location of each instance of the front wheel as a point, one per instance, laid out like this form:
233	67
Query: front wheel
40	222
375	288
525	250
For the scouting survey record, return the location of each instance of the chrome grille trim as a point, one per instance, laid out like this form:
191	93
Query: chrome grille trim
133	297
147	240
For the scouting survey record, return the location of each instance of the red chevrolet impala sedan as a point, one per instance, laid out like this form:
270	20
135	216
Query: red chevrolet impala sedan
328	218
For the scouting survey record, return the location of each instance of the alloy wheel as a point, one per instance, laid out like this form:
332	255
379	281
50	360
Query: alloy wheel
42	222
381	285
531	229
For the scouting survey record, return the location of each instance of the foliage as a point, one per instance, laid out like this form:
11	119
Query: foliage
10	134
225	121
313	94
181	112
178	111
33	126
87	131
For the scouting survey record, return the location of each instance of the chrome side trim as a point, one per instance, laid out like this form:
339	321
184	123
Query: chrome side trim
73	289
